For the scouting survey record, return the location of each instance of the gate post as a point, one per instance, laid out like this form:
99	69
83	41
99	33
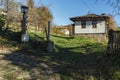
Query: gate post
110	41
49	44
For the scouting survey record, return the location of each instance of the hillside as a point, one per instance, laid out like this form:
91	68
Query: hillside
74	58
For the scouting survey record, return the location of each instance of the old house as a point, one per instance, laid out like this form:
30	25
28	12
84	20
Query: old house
91	25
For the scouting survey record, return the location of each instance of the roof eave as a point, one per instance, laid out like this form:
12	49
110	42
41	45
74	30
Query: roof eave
89	18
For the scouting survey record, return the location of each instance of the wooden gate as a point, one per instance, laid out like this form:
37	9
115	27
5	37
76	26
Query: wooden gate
113	42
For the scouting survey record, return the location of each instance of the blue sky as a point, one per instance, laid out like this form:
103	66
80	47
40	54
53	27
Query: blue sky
62	10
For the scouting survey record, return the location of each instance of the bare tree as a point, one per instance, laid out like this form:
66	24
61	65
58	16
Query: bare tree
44	16
11	8
111	23
115	4
38	16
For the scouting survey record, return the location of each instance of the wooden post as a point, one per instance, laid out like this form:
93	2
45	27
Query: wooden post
110	41
49	44
48	34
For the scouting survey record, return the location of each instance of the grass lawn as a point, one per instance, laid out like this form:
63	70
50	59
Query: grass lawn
74	58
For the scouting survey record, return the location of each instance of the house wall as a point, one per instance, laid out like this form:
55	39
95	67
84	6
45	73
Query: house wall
100	27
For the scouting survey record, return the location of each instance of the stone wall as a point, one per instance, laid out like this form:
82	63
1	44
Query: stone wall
97	37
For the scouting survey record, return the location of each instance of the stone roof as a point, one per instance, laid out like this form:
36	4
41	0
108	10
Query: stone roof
90	17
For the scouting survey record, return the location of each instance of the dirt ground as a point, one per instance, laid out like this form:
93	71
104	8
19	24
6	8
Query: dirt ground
18	66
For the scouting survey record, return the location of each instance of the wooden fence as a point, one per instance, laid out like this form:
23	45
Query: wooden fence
113	42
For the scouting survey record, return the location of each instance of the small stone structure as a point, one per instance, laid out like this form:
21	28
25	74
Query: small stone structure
49	46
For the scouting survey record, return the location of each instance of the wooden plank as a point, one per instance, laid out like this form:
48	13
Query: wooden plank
114	41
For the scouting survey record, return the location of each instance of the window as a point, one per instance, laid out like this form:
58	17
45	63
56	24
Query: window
83	23
94	24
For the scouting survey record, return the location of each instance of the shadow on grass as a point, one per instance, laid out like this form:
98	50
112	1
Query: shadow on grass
13	39
10	36
63	65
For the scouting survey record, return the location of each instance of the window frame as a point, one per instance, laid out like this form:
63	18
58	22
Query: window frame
83	24
94	24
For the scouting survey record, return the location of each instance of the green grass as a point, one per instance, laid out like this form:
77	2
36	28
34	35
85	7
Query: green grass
84	58
74	58
78	44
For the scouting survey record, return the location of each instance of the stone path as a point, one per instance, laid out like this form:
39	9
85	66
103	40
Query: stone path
15	66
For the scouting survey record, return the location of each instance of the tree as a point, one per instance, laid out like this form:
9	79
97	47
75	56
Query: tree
44	16
111	23
11	8
30	4
115	4
38	16
31	13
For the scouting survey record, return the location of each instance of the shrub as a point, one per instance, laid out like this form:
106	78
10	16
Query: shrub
2	21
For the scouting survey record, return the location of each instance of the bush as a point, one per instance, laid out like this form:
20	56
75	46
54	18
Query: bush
2	21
